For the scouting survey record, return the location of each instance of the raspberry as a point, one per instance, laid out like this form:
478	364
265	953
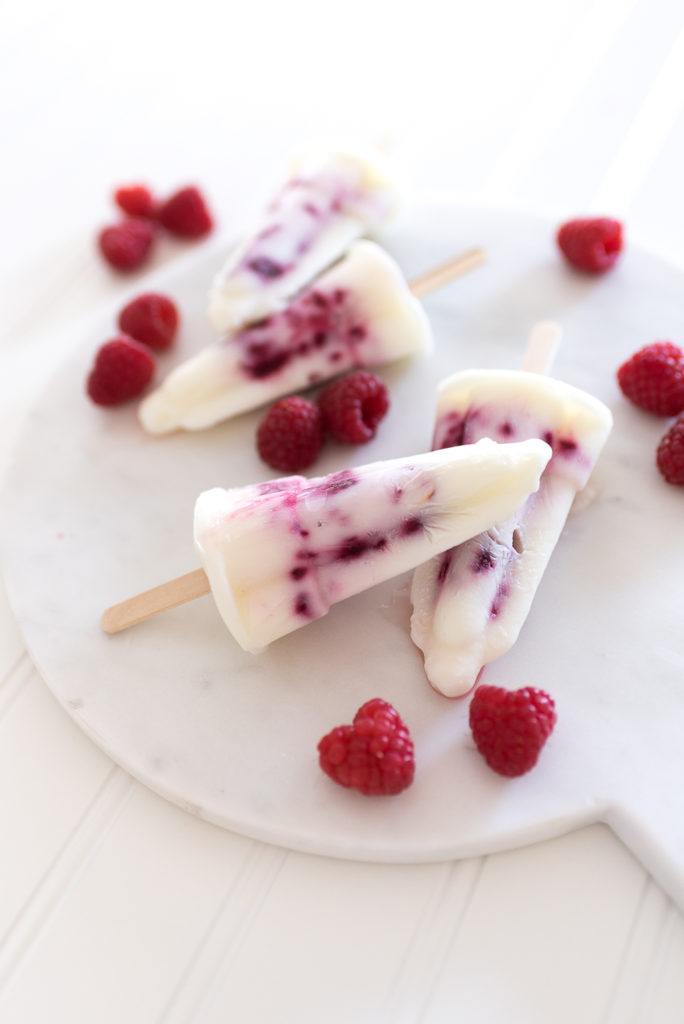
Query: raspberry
185	213
290	436
510	727
136	201
150	318
374	755
353	406
653	378
123	368
591	243
670	453
127	245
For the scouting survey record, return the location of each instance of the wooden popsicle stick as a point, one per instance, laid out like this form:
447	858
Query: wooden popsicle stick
195	584
542	347
446	272
159	599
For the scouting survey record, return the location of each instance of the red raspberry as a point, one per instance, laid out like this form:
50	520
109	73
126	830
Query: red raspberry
136	201
150	318
123	368
373	755
510	727
290	436
591	243
653	378
127	245
353	406
186	214
670	453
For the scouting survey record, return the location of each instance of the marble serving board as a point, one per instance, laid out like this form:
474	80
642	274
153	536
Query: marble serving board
93	511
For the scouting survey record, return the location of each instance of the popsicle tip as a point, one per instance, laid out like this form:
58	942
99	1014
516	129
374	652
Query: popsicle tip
156	414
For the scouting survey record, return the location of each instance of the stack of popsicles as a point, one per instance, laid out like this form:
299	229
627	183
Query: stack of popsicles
527	443
360	312
279	554
329	199
477	517
303	299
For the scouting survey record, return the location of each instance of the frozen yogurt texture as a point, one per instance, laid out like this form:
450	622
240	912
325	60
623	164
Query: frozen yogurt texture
331	198
279	554
359	313
470	602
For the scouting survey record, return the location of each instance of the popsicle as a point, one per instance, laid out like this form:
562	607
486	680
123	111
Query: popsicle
470	602
361	312
331	198
277	555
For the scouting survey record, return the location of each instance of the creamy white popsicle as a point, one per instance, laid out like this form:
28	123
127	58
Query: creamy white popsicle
331	198
470	602
279	554
359	313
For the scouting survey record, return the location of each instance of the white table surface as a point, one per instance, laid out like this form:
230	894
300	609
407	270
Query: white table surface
115	905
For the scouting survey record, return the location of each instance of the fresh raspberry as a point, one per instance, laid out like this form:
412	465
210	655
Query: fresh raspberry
150	318
373	755
591	243
653	378
127	245
670	453
290	436
185	213
136	201
353	406
123	368
510	727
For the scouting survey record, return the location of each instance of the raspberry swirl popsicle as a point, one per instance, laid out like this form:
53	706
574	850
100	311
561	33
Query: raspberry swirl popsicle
470	602
332	198
359	313
278	554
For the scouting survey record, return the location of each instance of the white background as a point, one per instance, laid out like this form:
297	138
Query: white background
115	906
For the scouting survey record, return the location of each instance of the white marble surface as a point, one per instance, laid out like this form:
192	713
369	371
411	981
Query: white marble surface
94	510
117	905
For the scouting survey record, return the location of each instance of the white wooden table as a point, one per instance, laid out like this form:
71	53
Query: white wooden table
115	905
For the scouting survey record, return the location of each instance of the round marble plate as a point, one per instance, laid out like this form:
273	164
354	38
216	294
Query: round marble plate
94	511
